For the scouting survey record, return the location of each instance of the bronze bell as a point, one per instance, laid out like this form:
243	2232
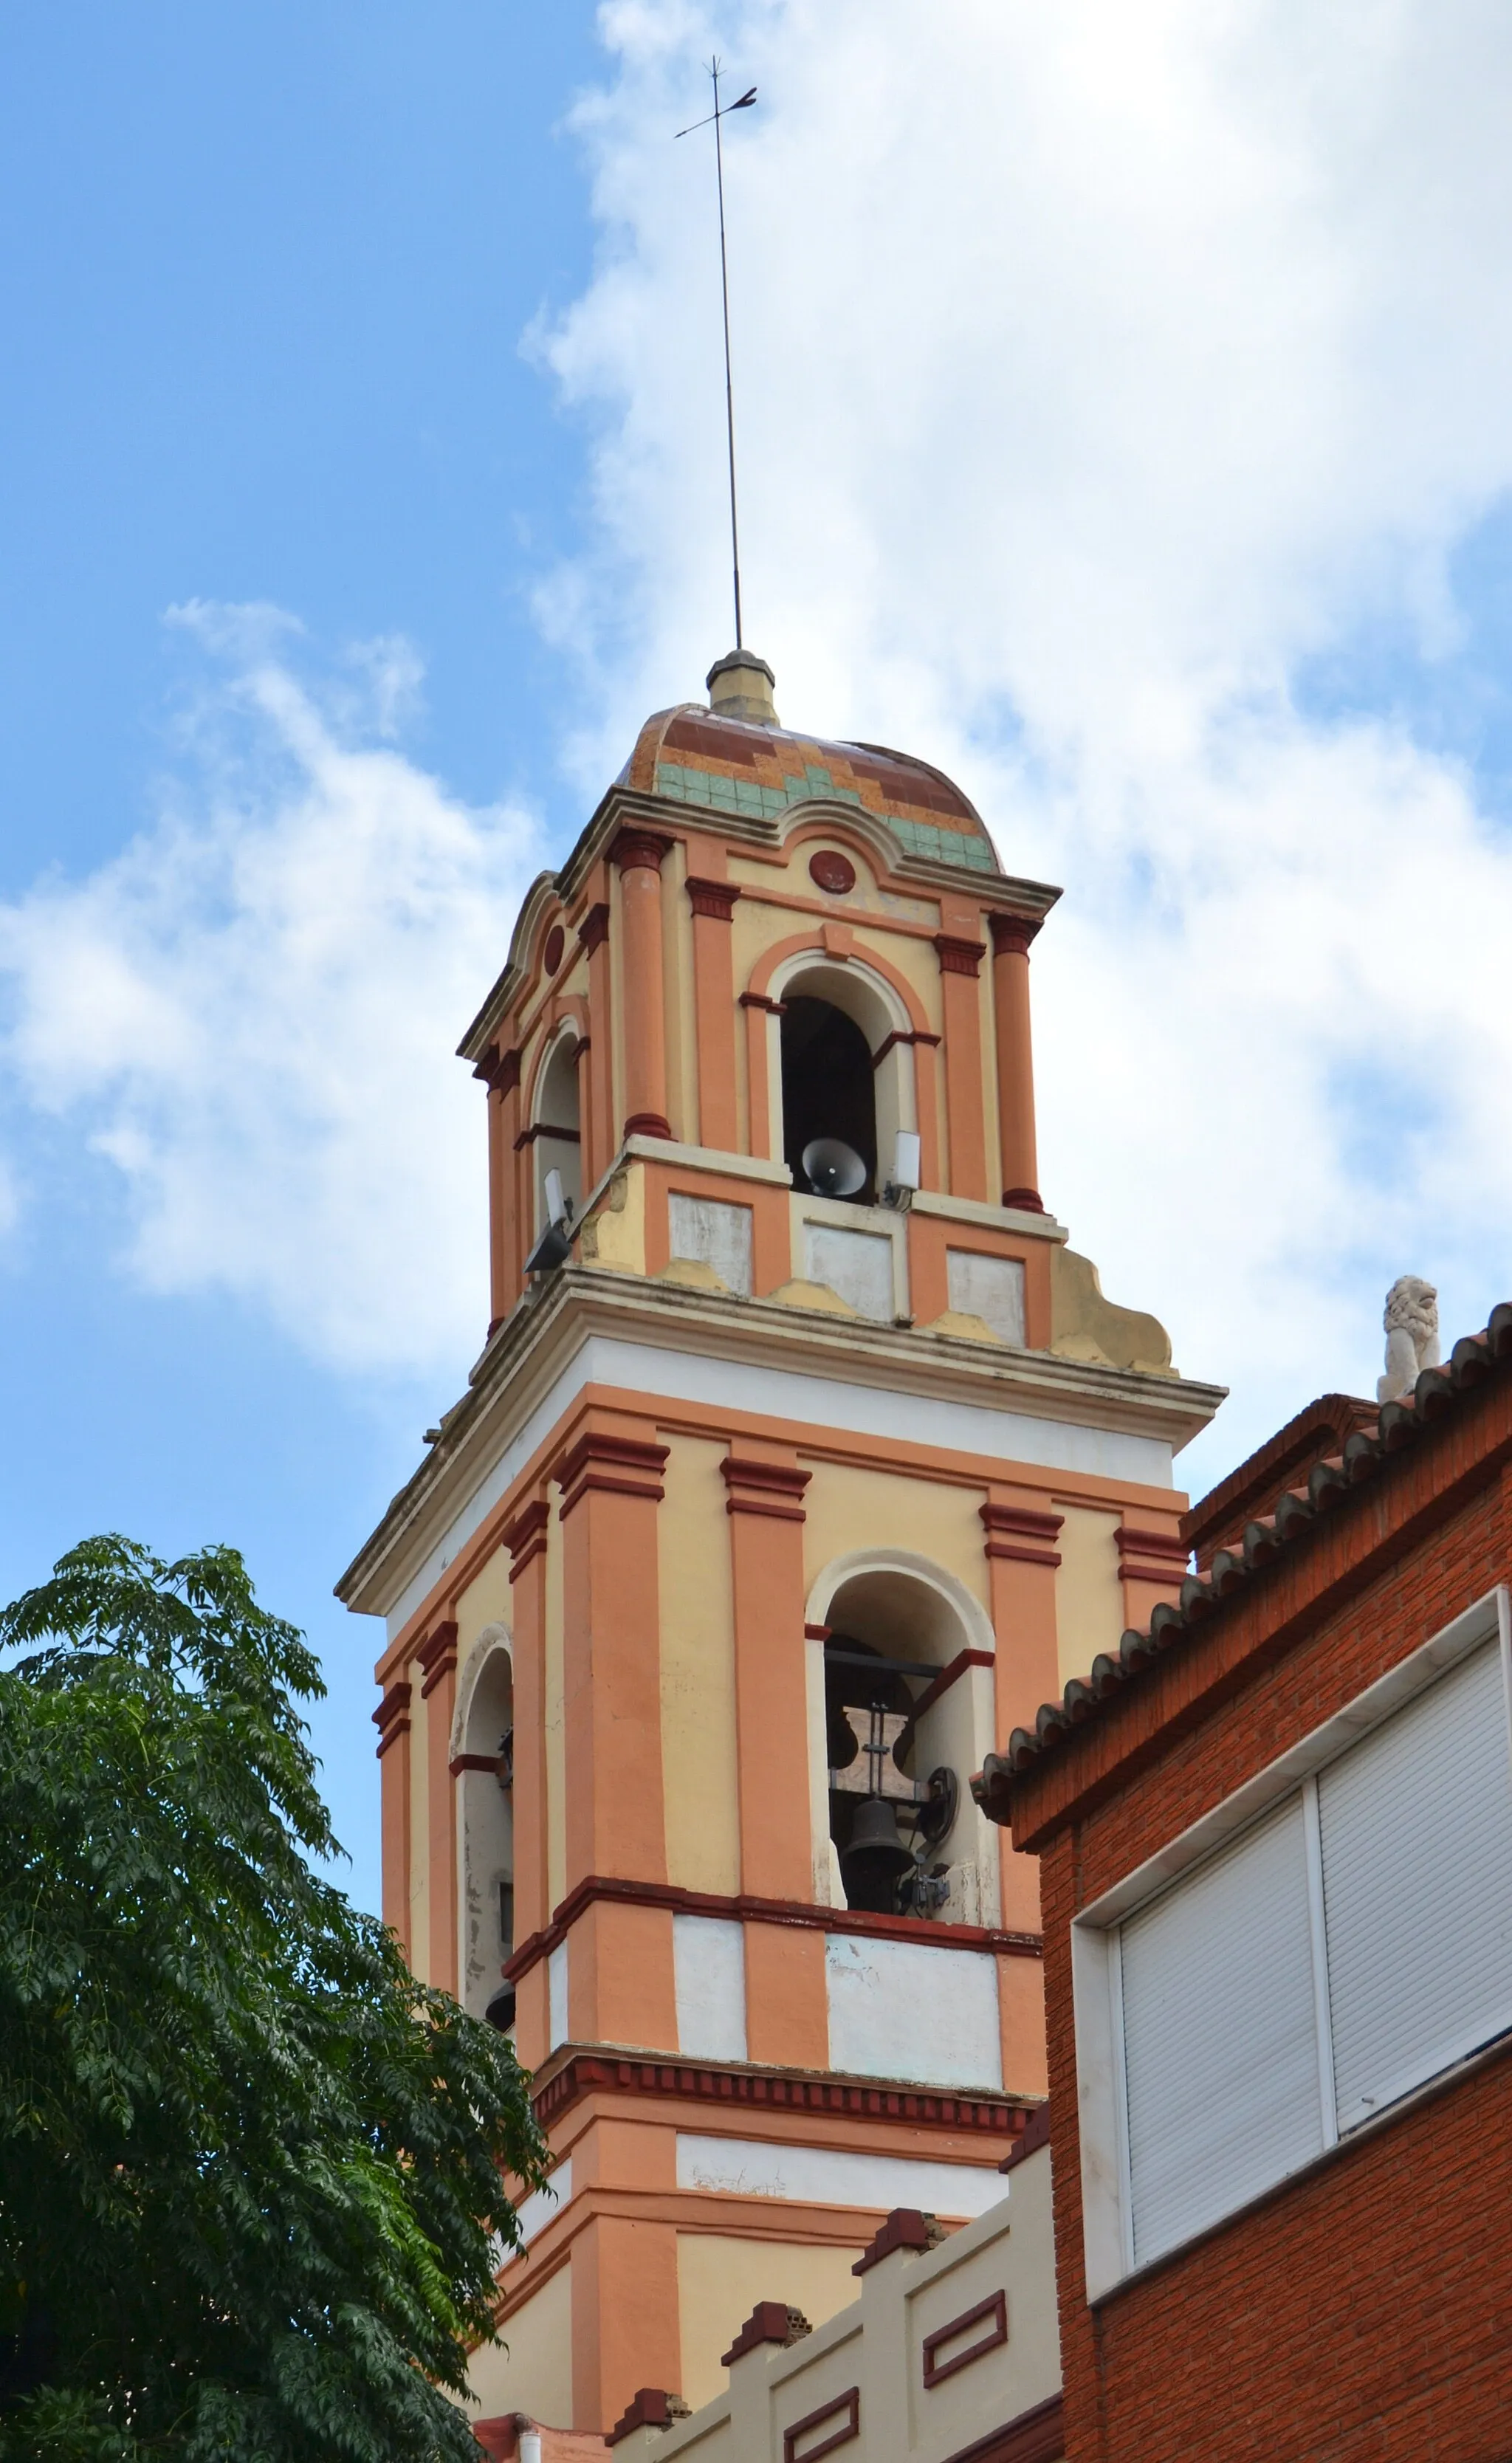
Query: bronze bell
876	1860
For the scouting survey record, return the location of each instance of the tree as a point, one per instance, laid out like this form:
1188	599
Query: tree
250	2193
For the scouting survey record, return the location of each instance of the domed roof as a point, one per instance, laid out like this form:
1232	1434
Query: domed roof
695	755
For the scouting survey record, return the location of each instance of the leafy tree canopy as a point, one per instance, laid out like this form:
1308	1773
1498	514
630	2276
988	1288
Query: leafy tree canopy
251	2195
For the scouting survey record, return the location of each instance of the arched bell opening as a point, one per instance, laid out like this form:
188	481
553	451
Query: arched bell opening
557	1136
900	1741
483	1742
829	1106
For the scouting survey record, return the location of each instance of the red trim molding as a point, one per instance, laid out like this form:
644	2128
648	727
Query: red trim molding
600	1887
593	929
392	1718
932	1042
1035	2134
760	1000
500	1072
959	957
905	2228
525	1536
843	2410
1024	1201
648	1124
771	2322
438	1656
738	2087
715	898
545	1129
941	1685
1152	1556
643	847
996	2308
1012	934
1034	2437
620	1465
1014	1531
648	2408
764	1488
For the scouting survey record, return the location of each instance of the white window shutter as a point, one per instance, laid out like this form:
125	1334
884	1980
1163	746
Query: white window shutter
1417	1830
1220	2043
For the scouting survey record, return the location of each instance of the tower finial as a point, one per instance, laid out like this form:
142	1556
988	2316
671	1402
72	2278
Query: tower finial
715	117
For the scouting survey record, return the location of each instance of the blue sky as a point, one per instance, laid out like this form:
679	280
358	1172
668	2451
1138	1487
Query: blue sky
264	276
1127	424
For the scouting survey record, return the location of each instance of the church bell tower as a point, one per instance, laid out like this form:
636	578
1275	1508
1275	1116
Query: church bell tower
802	1462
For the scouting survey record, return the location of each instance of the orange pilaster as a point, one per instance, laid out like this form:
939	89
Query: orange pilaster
757	1008
1022	1559
438	1687
525	1537
506	1254
638	855
392	1718
960	963
787	2002
764	1489
1018	1161
600	1127
713	906
620	1988
611	1487
625	2315
1153	1563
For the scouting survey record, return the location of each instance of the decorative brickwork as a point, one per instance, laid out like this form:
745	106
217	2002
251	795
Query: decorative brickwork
1362	2308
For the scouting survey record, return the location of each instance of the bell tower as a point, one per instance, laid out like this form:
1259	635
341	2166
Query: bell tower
802	1462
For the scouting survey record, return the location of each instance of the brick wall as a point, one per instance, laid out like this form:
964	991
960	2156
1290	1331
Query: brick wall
1364	2310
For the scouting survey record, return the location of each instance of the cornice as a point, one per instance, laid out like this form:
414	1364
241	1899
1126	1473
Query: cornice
801	1914
577	2070
631	808
537	1342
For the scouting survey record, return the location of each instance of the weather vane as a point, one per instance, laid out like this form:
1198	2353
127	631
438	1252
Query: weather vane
720	113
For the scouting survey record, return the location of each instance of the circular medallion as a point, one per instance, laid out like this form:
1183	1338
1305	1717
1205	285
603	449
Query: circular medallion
832	871
555	943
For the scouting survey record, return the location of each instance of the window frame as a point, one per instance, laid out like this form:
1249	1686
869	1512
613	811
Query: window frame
1096	1937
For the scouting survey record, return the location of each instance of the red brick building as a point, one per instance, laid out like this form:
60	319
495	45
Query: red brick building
1276	1844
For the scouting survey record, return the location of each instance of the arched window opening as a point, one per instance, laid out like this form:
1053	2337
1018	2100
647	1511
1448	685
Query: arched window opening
900	1741
828	1094
487	1822
557	1126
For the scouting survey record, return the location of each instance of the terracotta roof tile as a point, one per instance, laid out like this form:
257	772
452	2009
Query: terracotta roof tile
1360	1460
726	764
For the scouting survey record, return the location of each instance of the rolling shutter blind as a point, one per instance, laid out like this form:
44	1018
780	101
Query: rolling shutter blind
1416	1825
1221	2040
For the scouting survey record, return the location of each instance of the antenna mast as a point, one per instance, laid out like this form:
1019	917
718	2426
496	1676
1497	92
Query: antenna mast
716	116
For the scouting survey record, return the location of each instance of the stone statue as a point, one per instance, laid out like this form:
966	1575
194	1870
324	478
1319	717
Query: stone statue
1411	1336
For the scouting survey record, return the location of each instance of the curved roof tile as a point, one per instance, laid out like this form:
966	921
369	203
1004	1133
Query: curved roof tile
691	756
1398	1425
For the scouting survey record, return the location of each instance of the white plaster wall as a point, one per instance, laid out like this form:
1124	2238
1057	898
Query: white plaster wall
710	1972
991	1287
830	2176
858	1265
907	2009
537	2210
716	1234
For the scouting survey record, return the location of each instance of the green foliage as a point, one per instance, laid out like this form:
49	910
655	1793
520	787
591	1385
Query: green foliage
250	2168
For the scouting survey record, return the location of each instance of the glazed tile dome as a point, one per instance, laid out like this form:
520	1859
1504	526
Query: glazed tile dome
695	755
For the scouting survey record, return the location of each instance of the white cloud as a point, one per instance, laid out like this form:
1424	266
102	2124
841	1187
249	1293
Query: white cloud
252	1009
1095	367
